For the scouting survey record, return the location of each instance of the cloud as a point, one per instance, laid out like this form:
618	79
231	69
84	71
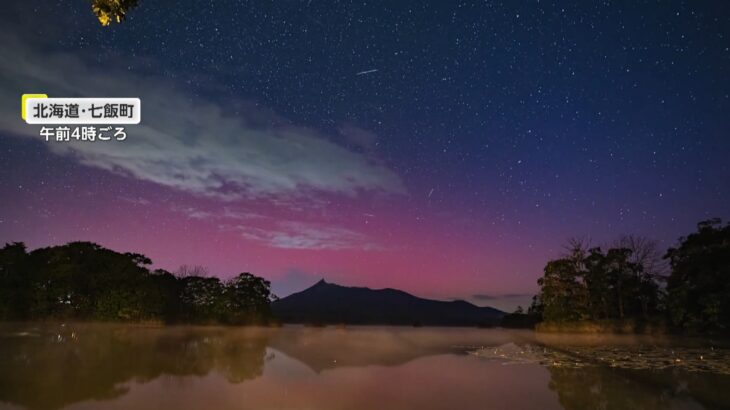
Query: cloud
487	297
282	234
135	201
359	137
506	302
192	212
241	214
307	235
228	150
226	212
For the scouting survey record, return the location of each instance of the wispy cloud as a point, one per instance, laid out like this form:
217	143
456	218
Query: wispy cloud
358	137
135	201
209	148
305	235
241	214
192	212
225	213
283	234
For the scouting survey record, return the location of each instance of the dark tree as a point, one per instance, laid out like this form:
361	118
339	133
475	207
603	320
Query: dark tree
595	285
698	289
204	299
563	294
519	319
249	298
82	280
16	290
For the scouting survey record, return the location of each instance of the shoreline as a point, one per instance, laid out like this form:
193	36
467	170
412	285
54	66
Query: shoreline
616	327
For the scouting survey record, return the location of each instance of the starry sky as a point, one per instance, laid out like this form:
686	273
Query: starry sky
445	148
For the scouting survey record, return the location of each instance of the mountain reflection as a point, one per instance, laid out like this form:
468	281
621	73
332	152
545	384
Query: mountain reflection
49	367
322	349
92	365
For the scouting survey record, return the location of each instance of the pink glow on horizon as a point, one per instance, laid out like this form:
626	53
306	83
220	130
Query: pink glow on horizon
371	242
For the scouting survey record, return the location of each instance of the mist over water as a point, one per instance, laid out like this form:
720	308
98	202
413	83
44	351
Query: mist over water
88	366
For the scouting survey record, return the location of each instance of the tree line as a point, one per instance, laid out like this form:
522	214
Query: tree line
85	281
686	288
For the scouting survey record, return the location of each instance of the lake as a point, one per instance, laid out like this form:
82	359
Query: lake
91	366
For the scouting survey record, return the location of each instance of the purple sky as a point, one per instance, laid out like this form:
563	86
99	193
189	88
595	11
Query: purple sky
446	150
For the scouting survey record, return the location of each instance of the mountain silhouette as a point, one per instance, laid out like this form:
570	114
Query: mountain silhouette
328	303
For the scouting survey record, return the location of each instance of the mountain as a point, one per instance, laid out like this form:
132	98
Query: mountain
328	303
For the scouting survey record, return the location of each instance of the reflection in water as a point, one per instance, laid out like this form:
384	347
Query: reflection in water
603	388
630	373
52	366
328	348
117	366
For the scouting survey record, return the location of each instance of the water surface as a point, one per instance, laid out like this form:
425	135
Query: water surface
84	366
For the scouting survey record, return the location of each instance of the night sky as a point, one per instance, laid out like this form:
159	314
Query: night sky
448	149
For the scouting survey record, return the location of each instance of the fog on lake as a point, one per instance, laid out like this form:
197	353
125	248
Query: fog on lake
85	366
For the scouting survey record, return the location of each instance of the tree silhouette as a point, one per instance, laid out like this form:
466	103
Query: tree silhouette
626	282
593	285
82	280
698	289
